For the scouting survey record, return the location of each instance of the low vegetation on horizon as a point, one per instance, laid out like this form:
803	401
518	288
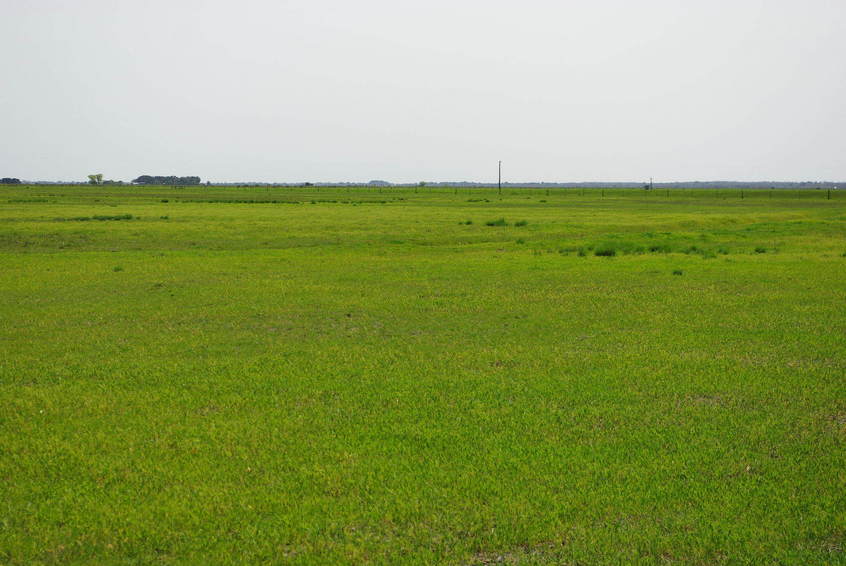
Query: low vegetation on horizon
415	375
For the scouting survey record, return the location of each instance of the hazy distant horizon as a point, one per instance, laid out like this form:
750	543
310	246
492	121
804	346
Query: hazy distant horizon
261	91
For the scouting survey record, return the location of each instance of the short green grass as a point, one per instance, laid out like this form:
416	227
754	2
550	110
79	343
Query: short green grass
353	375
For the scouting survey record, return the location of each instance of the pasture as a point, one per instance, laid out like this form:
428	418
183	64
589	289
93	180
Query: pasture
220	375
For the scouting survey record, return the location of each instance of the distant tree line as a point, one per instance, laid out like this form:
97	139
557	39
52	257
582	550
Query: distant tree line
10	181
166	180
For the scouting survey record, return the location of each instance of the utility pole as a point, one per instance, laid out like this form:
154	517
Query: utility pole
650	184
499	179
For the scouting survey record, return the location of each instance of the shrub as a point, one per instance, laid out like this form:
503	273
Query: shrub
581	252
760	250
678	272
521	241
500	222
117	268
521	223
605	251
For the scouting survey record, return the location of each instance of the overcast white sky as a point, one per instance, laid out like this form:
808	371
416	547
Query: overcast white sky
438	90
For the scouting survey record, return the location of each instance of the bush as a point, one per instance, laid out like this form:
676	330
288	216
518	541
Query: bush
760	250
500	222
605	251
678	272
521	223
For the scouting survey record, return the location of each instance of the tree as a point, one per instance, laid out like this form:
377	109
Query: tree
166	180
10	181
95	179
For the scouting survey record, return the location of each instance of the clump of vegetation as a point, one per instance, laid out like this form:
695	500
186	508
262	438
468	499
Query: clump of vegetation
466	223
627	247
100	217
165	217
499	222
103	217
117	268
165	200
760	250
704	252
521	223
678	272
242	201
605	251
521	241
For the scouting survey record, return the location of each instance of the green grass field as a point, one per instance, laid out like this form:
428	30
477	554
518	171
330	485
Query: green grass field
325	376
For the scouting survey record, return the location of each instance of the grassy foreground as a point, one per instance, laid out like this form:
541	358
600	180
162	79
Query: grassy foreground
362	376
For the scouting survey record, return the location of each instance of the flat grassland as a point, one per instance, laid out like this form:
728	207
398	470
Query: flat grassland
211	375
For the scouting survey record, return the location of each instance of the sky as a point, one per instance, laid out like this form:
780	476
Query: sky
321	91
